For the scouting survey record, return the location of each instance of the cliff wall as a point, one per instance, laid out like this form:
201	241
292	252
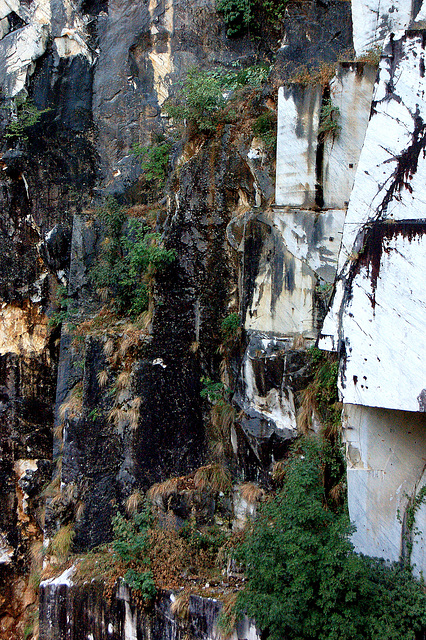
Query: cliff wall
311	234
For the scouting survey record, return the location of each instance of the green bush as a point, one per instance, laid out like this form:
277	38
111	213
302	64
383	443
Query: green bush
265	127
230	326
155	160
329	119
128	260
27	115
202	98
238	15
130	546
304	581
244	15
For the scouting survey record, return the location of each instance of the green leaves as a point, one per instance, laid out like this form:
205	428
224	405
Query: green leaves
26	116
130	257
242	15
130	545
304	580
154	161
205	94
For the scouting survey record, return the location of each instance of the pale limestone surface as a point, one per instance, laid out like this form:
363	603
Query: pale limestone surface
393	144
384	329
23	329
302	248
298	117
351	91
379	305
386	452
374	20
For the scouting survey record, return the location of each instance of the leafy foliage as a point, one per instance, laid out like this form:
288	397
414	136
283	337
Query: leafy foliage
129	260
154	161
230	326
27	115
240	15
203	96
265	127
62	314
130	545
329	119
216	392
321	395
304	580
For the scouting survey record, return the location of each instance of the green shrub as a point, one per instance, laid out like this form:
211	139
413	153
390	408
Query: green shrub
329	119
265	127
244	15
128	260
202	96
130	546
230	326
215	392
155	160
63	312
27	115
304	580
202	100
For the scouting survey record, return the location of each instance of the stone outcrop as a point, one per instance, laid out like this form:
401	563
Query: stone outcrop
325	242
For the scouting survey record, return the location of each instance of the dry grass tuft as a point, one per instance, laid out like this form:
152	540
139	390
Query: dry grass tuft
102	378
307	409
60	545
79	511
299	342
117	415
194	346
279	471
338	492
213	477
332	430
180	607
73	404
124	380
58	431
251	492
133	502
163	489
320	76
104	293
222	417
109	347
228	616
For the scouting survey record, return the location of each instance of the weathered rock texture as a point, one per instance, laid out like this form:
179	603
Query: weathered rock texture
346	222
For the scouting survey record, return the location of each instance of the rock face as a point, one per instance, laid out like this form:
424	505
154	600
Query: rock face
376	319
87	611
100	409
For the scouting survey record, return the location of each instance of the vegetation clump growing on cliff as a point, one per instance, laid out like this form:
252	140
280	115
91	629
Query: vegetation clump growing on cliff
128	260
241	16
130	544
329	119
304	580
25	116
154	161
206	97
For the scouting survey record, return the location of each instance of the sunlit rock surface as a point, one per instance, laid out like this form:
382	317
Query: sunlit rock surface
378	312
